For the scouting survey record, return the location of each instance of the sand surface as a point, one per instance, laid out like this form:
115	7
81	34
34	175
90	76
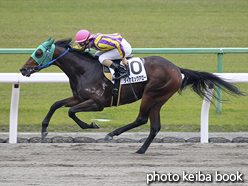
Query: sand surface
118	164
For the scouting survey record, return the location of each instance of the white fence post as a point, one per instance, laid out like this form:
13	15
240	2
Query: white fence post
205	114
14	113
229	77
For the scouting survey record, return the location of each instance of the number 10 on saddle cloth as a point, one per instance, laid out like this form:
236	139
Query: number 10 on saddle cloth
136	70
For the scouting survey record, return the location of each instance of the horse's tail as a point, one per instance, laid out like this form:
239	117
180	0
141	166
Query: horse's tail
200	81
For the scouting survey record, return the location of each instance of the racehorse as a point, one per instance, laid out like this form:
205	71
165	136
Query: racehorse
91	91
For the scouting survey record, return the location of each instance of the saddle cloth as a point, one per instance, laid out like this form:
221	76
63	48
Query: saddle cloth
137	74
136	70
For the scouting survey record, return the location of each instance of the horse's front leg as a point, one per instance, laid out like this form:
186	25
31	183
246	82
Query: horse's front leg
69	102
88	105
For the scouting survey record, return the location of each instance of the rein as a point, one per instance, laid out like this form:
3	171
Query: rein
40	66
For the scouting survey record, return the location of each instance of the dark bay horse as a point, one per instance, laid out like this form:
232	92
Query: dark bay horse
91	91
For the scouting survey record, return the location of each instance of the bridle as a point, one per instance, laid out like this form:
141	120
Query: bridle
40	66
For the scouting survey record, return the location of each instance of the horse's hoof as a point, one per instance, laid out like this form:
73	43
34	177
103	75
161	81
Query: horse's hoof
140	151
108	137
95	126
43	135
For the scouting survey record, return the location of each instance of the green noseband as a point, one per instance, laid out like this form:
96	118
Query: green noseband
48	50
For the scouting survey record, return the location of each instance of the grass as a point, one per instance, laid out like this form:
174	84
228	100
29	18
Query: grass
144	23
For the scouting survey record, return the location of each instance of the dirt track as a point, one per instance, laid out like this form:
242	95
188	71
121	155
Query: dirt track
118	164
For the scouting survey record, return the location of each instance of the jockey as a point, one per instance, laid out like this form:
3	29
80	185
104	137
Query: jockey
108	46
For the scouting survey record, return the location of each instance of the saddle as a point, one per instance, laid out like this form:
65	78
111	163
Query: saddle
106	69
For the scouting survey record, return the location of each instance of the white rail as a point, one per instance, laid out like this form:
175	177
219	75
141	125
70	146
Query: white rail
229	77
16	79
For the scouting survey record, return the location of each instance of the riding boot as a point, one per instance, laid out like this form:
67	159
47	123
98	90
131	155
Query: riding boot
120	71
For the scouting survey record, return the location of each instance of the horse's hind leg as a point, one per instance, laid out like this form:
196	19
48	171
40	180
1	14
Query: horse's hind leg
63	103
142	118
151	111
155	125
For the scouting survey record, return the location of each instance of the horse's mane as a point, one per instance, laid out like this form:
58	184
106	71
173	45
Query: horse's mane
66	43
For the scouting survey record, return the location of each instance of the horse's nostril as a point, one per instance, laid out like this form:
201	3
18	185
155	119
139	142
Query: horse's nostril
22	69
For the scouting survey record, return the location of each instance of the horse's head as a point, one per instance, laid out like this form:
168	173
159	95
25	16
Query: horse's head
39	59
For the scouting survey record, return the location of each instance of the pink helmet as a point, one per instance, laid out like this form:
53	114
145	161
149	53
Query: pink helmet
82	35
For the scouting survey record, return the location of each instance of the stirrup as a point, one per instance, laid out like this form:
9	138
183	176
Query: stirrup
121	76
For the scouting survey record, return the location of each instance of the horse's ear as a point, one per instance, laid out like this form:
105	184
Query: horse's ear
49	38
50	42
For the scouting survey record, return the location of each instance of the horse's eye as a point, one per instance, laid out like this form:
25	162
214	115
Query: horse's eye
38	53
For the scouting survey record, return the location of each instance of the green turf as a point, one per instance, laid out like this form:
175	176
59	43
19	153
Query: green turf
145	24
